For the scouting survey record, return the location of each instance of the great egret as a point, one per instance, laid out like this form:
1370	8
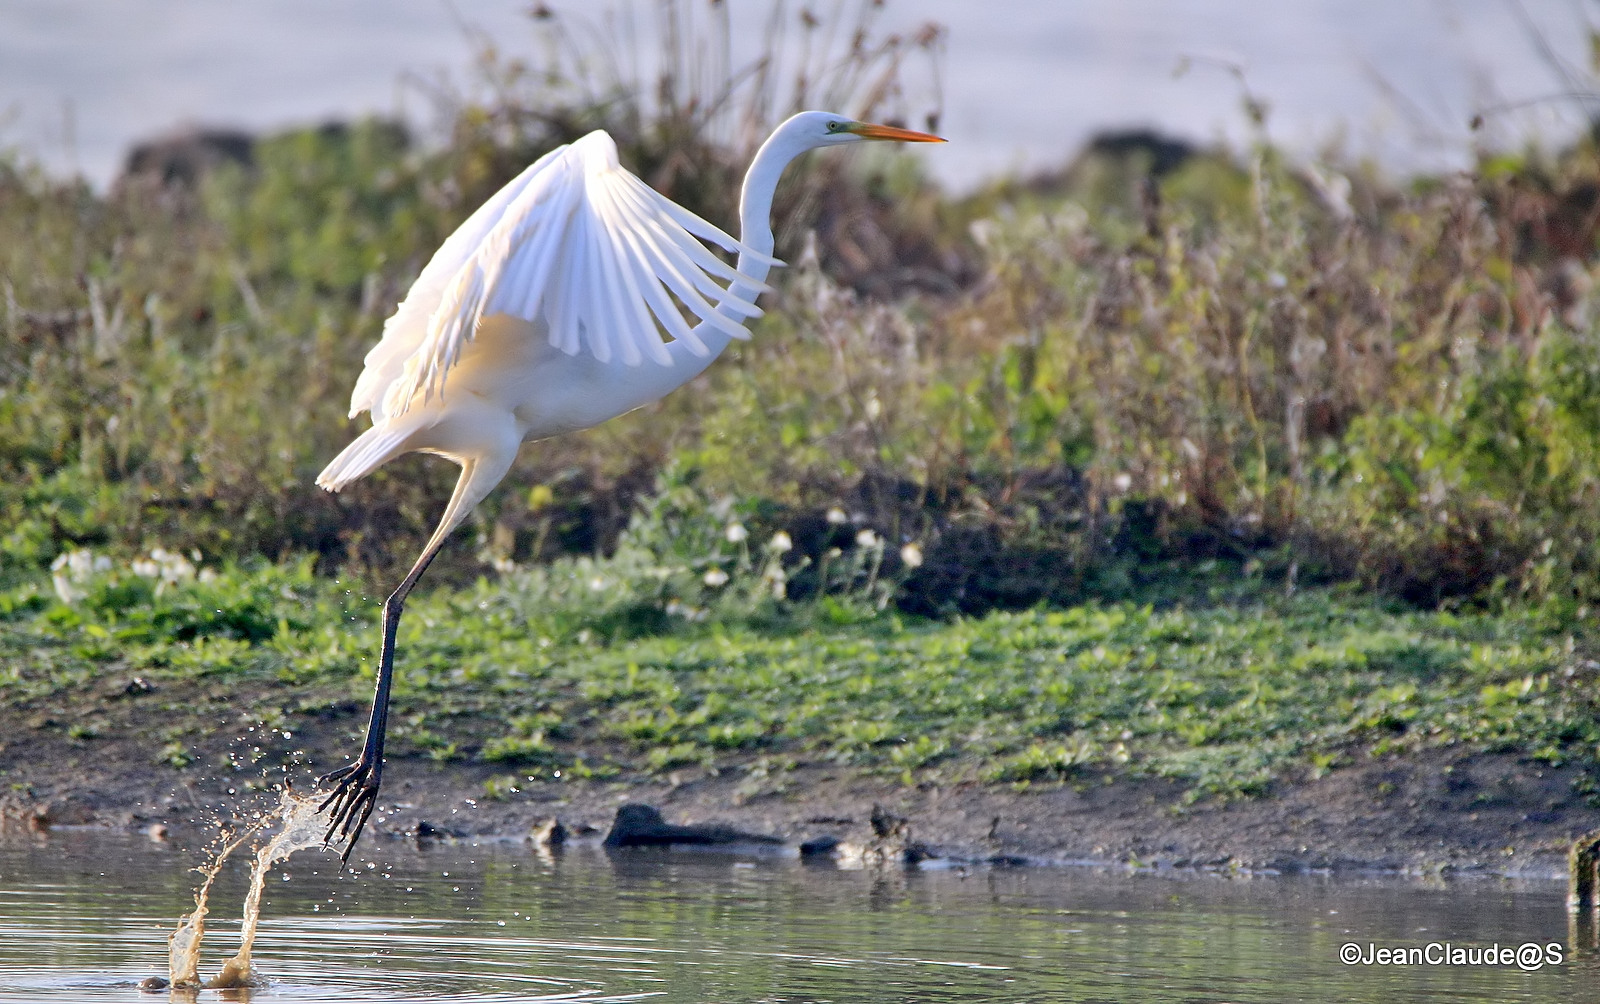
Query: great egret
545	313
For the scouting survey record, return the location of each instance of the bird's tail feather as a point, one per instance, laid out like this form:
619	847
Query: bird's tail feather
371	450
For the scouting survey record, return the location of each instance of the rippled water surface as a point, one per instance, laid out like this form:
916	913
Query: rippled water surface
85	916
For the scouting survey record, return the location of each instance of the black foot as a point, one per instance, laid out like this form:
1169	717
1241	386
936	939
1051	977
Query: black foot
354	796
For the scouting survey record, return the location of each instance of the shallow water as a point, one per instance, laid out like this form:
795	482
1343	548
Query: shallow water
85	916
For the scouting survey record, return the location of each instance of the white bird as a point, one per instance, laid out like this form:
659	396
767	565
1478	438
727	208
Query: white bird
554	307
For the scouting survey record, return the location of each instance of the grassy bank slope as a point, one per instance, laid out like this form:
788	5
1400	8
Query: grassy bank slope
619	670
1211	468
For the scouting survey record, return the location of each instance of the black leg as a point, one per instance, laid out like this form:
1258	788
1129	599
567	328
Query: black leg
355	787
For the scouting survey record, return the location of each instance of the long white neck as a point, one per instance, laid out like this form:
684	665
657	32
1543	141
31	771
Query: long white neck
755	232
755	206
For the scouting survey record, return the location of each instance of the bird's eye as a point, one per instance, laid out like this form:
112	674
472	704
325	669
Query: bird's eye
835	126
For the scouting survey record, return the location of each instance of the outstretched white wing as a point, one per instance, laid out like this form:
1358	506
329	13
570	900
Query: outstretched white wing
576	242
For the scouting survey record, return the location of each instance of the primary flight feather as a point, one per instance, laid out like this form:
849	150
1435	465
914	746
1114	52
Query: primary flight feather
524	254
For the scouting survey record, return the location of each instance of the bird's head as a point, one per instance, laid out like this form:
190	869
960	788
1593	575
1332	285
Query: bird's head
814	129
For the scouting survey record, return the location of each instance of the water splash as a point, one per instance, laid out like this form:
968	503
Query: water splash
301	828
183	947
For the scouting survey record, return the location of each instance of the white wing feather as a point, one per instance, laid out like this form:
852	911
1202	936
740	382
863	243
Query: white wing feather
407	327
576	242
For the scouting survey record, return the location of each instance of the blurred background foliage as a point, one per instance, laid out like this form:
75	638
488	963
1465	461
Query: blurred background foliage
1157	369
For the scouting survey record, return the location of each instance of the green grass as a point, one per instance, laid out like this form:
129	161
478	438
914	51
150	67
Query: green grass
579	670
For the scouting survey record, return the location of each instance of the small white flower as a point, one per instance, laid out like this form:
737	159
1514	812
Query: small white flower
716	577
677	608
874	408
866	538
911	554
837	516
168	568
1122	482
781	542
597	583
736	533
834	552
67	592
71	569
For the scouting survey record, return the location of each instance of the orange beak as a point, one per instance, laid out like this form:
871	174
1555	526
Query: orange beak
868	131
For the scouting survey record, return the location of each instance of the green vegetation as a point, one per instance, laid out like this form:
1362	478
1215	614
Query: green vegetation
684	649
1272	467
1403	396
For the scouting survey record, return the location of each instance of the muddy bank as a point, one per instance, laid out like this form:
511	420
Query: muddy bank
1434	813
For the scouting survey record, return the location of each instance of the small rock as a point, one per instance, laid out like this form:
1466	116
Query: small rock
151	984
886	825
425	831
131	688
915	852
548	833
820	847
892	842
640	825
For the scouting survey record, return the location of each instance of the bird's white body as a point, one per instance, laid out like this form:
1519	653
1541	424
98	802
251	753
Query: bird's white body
557	305
456	377
509	386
